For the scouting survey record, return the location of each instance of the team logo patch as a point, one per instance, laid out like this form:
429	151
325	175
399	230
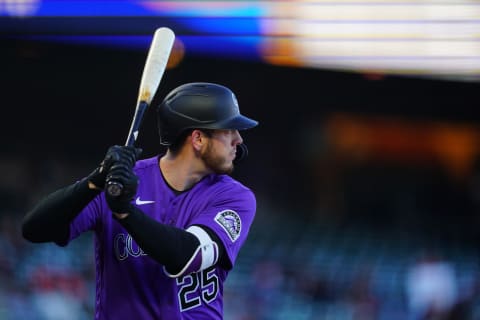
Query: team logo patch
230	221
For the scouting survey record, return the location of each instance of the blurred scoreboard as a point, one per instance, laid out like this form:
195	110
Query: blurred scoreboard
434	38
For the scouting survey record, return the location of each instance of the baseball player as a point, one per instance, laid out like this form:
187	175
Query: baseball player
165	245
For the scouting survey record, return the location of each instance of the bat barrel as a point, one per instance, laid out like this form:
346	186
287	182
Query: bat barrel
155	66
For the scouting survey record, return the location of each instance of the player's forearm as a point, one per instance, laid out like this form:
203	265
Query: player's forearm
170	246
50	219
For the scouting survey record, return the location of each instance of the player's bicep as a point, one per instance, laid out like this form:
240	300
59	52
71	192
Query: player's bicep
223	260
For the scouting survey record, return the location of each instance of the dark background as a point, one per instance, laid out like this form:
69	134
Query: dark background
75	101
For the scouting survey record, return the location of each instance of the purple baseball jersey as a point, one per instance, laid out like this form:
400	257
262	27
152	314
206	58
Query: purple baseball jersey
130	284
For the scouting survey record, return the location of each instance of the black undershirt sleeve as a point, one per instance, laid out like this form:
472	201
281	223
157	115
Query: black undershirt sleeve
173	247
49	220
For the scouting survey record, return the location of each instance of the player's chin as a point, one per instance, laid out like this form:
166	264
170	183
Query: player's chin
227	168
220	166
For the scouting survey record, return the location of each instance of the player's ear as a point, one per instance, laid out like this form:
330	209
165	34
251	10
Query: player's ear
197	139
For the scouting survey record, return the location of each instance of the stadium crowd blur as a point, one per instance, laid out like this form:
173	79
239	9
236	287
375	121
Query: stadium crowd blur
383	239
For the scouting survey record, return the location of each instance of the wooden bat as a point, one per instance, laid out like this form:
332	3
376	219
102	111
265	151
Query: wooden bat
155	66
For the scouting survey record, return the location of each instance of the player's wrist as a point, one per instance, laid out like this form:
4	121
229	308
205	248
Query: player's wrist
121	216
93	186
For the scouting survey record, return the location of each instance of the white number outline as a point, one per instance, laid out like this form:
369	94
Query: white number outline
209	285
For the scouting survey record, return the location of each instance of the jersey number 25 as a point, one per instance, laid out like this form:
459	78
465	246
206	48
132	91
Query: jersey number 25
189	296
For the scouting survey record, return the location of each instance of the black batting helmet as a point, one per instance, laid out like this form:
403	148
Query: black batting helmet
199	105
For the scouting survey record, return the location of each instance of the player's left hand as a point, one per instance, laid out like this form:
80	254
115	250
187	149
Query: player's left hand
122	173
115	154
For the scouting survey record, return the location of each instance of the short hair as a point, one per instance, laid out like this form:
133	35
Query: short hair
180	140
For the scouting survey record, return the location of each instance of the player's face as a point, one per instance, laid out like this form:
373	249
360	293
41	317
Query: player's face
220	150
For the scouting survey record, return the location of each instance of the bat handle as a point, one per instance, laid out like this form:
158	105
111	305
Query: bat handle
115	188
136	122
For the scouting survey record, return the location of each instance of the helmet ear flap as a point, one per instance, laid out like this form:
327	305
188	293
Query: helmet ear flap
164	130
242	153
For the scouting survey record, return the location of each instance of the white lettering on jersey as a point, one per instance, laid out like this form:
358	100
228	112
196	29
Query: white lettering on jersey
125	247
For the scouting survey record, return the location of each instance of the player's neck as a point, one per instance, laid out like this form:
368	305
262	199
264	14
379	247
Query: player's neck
180	172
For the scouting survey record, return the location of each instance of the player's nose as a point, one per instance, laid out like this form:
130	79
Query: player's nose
237	139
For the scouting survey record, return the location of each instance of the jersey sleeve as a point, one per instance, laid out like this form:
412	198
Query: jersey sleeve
88	218
230	216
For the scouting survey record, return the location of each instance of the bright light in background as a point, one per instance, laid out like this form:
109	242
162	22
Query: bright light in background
423	37
204	9
437	38
361	138
19	8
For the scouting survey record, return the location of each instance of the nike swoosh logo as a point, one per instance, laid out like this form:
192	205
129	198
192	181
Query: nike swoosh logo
142	202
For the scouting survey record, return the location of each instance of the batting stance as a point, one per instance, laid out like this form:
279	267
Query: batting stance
164	247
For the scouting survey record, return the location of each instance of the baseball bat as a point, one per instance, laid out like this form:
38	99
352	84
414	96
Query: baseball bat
153	70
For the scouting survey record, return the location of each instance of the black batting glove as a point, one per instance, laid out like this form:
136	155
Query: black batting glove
122	173
99	175
115	154
128	155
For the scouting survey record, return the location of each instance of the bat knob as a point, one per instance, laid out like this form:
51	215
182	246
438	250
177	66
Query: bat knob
114	189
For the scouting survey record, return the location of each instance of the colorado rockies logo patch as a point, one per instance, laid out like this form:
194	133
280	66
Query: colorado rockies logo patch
230	221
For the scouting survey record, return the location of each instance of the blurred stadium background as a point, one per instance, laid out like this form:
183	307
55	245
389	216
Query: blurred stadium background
366	164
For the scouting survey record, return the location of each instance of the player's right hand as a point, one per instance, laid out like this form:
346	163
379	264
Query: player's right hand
115	154
123	174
